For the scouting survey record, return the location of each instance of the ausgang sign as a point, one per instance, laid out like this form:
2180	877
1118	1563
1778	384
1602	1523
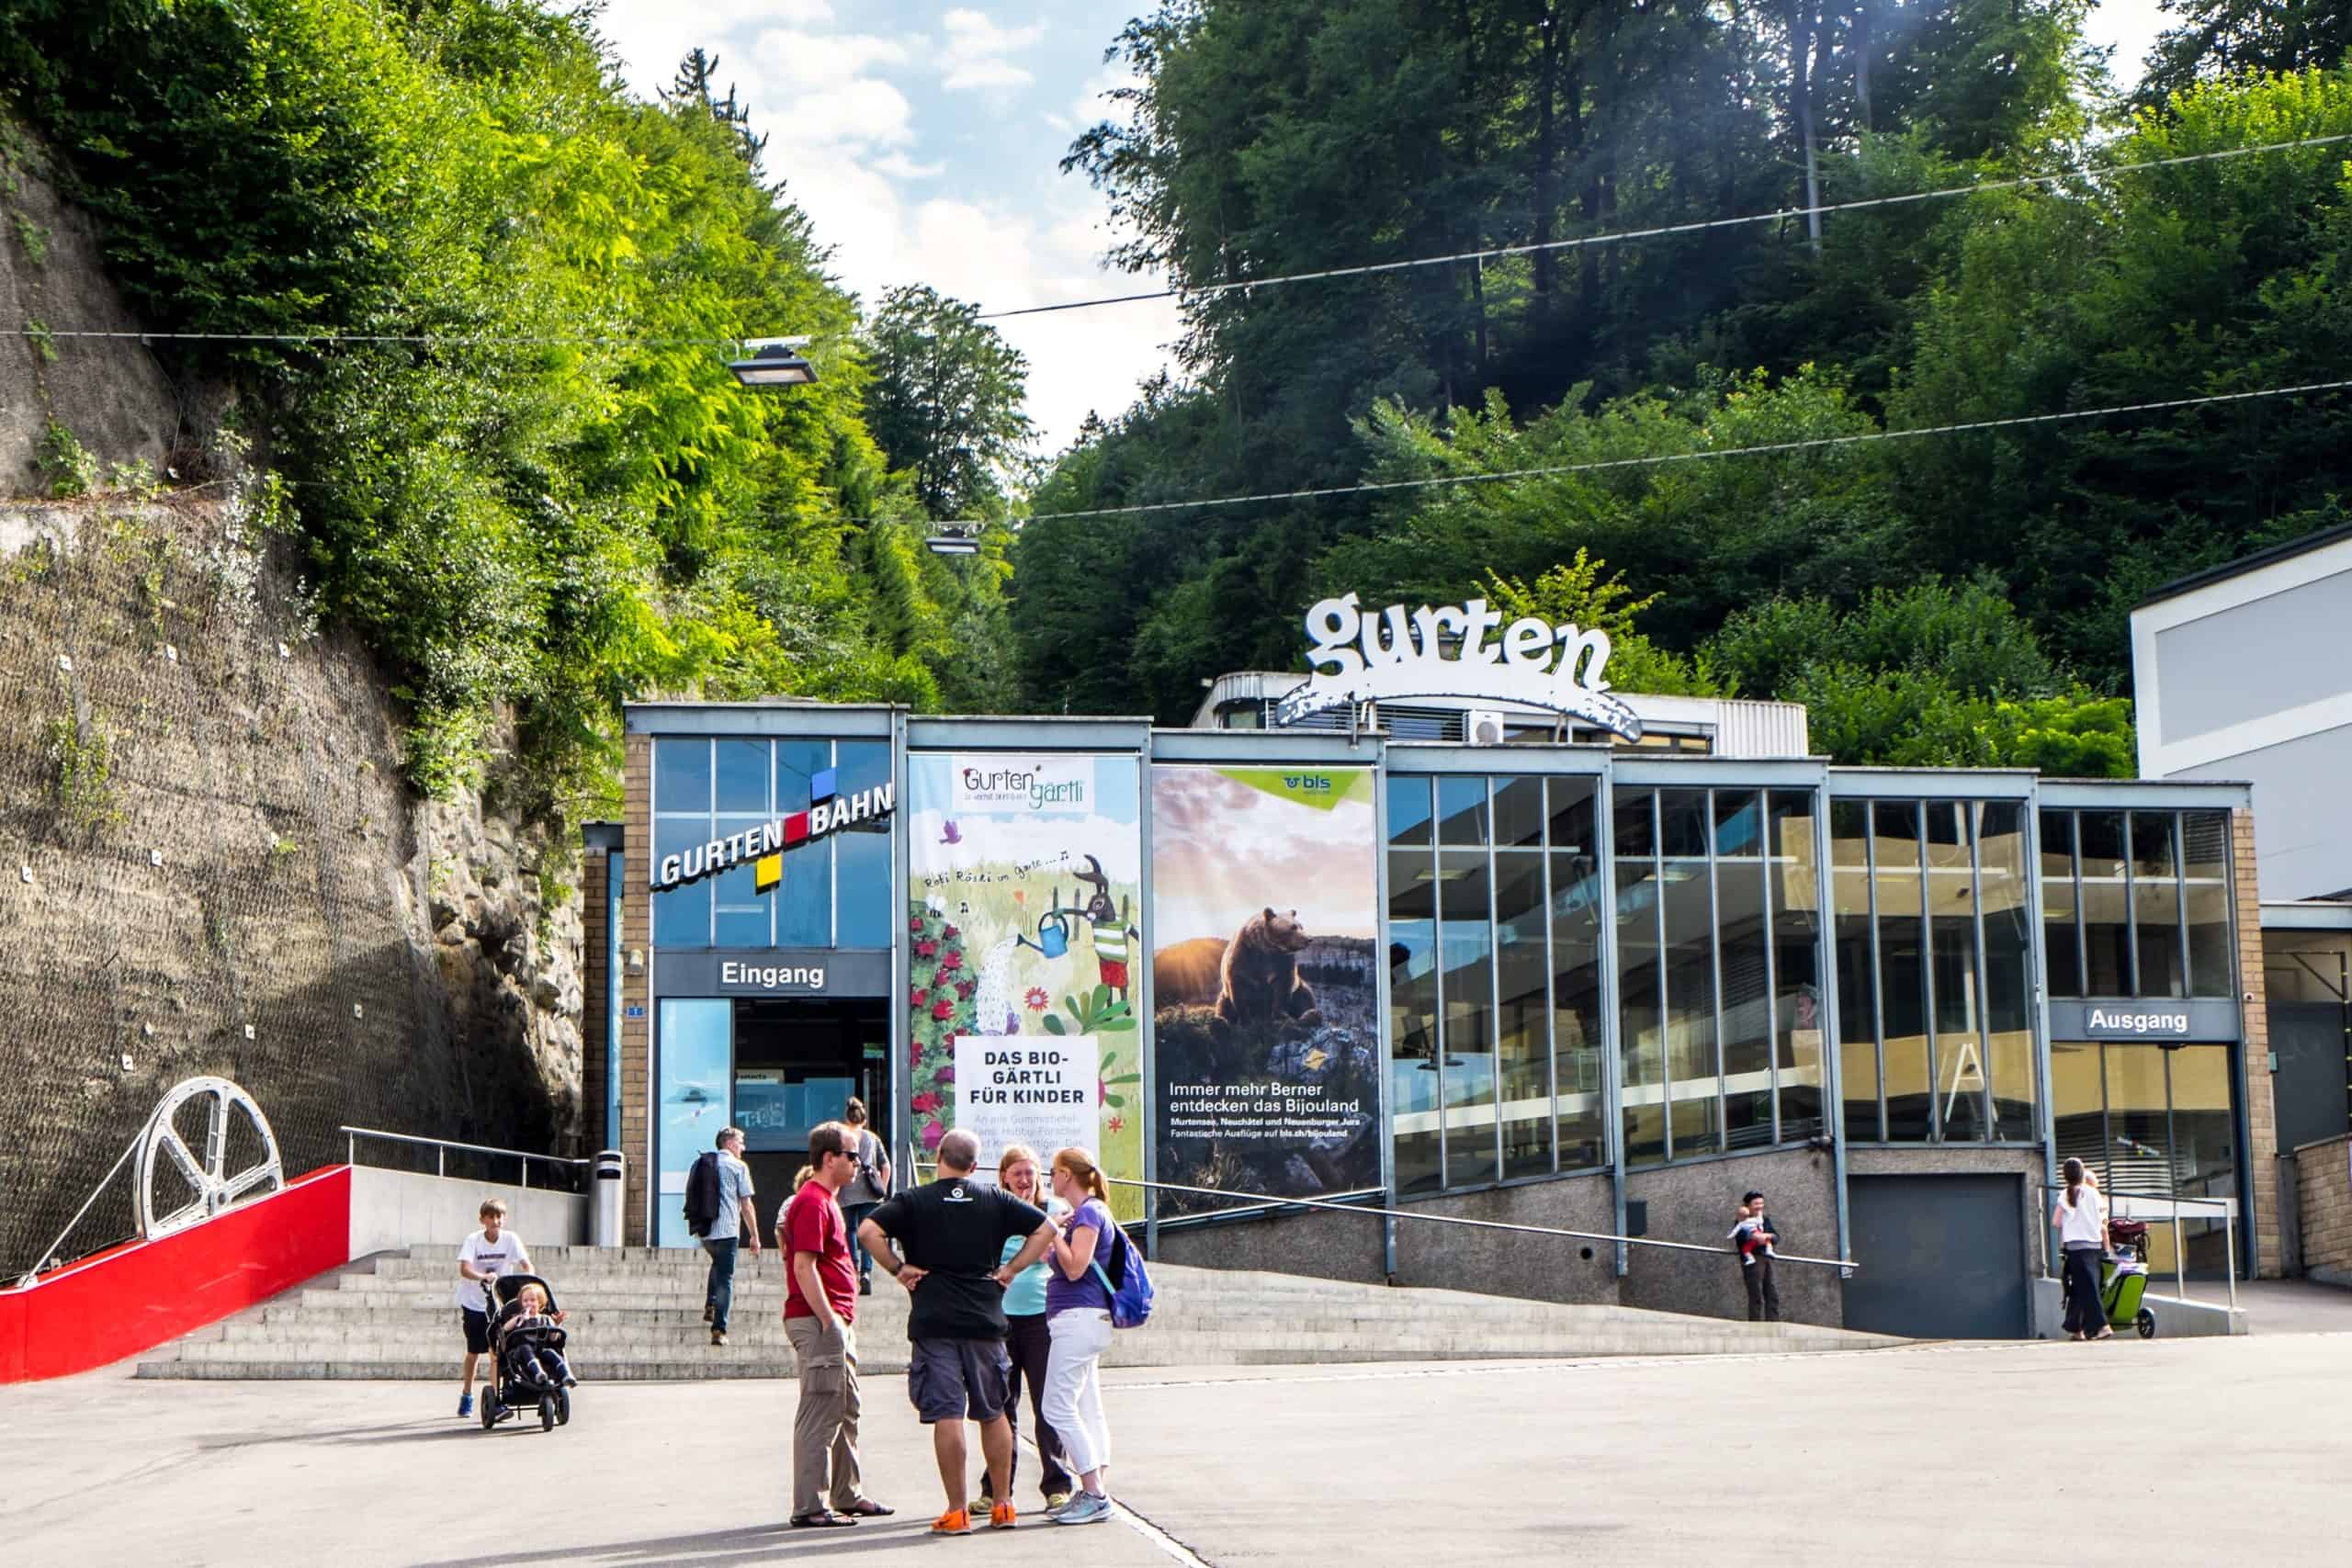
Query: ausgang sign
764	844
1360	658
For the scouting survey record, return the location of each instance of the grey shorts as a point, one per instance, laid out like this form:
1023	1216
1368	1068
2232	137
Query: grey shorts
957	1380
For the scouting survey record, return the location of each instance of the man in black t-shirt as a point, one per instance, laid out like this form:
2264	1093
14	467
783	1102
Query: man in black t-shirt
951	1235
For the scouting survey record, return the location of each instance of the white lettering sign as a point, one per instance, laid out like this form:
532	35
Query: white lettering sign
1039	1090
2112	1021
773	838
1359	657
773	978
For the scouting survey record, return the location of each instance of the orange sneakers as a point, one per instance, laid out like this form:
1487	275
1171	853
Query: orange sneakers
1003	1518
955	1521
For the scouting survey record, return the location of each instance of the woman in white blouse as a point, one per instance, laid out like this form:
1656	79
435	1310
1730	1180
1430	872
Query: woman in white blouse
2080	1219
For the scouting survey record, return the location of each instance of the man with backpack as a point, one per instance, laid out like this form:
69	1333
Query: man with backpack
944	1243
719	1209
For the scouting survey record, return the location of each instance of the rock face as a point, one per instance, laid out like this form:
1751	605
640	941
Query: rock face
209	864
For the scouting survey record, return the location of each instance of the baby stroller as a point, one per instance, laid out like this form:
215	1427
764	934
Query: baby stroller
523	1361
2123	1278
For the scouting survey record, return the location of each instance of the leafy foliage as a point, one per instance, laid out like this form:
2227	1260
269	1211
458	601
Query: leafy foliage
947	400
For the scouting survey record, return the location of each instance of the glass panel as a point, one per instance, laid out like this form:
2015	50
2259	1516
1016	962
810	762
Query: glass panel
682	776
2008	989
1523	965
2204	1146
682	915
1692	1068
1903	975
1571	803
2205	865
2134	1159
1576	1035
1409	810
1412	1009
1743	938
1519	813
743	911
1466	944
1641	1065
2107	937
1636	824
861	851
1461	812
804	905
797	762
1796	962
743	775
2061	934
2155	904
2078	1101
1958	1059
694	1045
1849	884
1737	823
1683	823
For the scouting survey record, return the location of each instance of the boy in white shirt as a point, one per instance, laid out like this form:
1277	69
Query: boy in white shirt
481	1258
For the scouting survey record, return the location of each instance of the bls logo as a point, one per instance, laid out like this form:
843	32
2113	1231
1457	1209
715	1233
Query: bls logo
1308	783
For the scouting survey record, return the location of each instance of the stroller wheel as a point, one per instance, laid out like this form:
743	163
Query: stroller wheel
546	1413
489	1410
563	1407
2146	1323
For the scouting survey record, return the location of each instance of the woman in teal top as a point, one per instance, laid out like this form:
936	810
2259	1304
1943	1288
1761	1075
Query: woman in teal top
1027	1342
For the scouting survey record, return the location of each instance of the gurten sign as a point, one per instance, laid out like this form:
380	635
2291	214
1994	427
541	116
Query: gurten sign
1359	657
764	845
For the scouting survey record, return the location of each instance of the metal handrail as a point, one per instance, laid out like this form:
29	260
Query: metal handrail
442	1147
1841	1263
2225	1207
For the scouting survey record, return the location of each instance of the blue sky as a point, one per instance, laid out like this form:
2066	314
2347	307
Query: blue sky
923	141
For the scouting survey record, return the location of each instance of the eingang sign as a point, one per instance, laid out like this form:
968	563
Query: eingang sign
1360	658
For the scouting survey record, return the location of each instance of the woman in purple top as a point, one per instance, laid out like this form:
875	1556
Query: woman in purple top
1078	1320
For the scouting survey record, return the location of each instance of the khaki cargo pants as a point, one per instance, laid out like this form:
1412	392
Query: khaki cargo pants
824	1430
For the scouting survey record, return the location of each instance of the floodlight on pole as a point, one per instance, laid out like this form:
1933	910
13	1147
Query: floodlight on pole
954	540
774	362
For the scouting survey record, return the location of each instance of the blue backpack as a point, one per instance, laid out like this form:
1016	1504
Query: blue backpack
1131	1298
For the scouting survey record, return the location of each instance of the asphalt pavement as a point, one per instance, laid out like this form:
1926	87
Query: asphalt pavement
2183	1451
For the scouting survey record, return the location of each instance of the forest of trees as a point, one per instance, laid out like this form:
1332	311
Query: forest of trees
1870	581
536	491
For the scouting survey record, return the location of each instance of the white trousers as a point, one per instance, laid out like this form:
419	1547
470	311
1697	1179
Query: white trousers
1074	1392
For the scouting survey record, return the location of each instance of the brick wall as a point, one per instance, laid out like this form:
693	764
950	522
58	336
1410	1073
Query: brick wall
636	1142
595	967
2261	1108
2324	1195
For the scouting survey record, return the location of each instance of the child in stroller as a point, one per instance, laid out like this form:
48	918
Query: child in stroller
527	1339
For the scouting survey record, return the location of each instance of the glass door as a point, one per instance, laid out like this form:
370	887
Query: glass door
694	1099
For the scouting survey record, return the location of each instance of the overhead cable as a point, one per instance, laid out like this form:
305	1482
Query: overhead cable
1210	291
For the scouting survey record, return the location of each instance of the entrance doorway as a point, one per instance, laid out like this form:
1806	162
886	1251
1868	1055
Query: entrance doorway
797	1062
2157	1122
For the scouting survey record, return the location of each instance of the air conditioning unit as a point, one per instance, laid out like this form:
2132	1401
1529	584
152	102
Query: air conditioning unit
1483	728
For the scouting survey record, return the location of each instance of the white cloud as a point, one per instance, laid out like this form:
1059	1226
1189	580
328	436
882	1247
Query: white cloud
898	167
975	50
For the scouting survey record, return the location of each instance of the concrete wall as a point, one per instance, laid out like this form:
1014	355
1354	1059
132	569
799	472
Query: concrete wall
1317	1243
1695	1202
1544	1268
393	1209
2324	1199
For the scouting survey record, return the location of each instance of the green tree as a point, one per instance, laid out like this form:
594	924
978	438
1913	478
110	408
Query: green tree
2220	39
946	404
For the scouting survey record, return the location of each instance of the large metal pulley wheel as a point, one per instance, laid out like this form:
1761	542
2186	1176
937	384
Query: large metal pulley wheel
232	1130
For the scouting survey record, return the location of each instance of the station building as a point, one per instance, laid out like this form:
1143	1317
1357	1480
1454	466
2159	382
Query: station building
1461	935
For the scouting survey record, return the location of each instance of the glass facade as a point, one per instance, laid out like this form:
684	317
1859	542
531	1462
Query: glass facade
1719	968
836	890
2137	904
1935	998
1494	984
2153	1121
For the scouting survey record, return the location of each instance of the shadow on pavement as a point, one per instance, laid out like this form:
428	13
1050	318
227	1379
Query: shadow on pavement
761	1544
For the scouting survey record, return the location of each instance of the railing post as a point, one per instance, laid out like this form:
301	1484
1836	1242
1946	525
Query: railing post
440	1159
351	1149
526	1173
2229	1255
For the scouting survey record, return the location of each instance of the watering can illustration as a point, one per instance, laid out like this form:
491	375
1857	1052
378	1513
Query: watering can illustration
1053	933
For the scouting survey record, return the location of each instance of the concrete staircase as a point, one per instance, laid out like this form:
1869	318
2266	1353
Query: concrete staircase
635	1312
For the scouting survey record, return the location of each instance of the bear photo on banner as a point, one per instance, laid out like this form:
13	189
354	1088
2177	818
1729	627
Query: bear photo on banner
1265	916
1025	873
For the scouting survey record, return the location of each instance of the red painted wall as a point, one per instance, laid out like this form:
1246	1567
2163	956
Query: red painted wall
135	1296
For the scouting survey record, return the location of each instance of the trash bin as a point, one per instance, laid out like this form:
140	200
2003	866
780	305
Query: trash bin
606	1199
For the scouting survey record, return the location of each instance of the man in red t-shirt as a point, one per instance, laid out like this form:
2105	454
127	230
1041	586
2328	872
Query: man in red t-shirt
820	1303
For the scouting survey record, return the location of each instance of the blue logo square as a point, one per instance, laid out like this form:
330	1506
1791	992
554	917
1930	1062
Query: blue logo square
820	785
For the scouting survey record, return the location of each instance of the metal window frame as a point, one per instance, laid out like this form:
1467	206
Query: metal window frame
1715	970
1604	962
1771	960
1878	966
